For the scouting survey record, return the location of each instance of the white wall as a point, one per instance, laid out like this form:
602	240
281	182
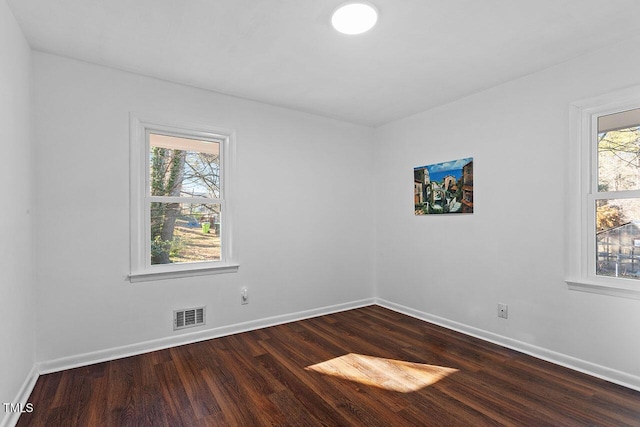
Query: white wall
455	269
304	229
17	272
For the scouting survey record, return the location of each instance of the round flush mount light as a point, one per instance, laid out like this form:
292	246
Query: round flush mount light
354	17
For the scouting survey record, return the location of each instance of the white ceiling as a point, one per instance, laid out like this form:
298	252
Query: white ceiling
422	53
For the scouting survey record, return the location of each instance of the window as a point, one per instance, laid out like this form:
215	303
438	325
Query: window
617	199
604	244
180	209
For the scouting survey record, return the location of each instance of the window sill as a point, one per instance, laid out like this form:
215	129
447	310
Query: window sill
175	274
624	290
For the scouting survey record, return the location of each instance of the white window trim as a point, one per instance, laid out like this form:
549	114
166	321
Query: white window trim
141	270
580	218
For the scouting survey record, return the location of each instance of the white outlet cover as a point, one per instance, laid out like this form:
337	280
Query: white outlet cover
503	311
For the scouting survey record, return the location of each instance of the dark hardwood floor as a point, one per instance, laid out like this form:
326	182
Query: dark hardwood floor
363	367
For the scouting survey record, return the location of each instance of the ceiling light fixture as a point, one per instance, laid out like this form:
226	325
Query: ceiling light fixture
354	17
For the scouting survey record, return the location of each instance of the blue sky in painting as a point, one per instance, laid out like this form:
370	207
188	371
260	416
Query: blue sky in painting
438	171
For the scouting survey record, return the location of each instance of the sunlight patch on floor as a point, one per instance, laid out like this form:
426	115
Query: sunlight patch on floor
389	374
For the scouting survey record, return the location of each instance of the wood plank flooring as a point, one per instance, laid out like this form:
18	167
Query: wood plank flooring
363	367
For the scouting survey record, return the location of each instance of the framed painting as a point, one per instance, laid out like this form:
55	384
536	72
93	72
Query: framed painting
444	188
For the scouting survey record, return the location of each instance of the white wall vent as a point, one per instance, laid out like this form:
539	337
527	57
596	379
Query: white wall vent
188	318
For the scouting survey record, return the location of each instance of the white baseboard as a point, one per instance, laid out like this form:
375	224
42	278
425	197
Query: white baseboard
85	359
11	418
602	372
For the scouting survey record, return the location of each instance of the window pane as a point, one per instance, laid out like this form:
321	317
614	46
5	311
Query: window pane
182	167
618	238
184	232
619	151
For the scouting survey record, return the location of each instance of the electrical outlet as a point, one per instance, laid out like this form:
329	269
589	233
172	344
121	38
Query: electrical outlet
244	295
503	311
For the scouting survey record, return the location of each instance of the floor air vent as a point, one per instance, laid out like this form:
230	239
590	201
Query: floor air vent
188	318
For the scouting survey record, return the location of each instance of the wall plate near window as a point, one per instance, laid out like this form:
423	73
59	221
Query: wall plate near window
604	203
181	212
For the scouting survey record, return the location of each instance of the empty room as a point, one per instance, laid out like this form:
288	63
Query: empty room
320	213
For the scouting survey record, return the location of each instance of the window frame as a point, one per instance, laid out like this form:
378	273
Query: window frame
583	193
140	248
